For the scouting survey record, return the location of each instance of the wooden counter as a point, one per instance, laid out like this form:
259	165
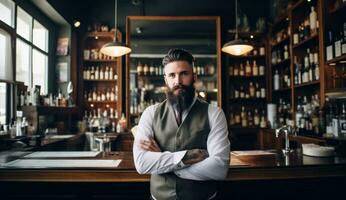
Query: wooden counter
296	166
268	178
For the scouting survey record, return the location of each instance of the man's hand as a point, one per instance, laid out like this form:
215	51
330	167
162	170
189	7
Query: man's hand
194	156
149	145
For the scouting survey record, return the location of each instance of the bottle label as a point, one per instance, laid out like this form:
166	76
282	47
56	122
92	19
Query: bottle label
343	127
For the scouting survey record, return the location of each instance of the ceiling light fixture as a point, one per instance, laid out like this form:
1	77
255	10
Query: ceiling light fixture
115	48
237	47
76	23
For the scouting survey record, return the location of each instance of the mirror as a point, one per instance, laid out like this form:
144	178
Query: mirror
150	38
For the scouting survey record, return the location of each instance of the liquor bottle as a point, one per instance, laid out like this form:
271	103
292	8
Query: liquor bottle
313	20
257	118
342	120
139	69
263	123
258	91
286	54
236	70
110	73
87	75
255	69
343	45
151	69
102	73
250	121
146	70
329	47
306	69
337	45
244	122
276	80
252	90
107	73
261	70
92	73
241	70
317	67
263	92
97	74
248	71
241	92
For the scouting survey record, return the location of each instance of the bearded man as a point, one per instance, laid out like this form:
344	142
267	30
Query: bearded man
183	141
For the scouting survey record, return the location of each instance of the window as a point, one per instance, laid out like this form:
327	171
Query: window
40	36
7	12
6	72
39	70
23	62
32	51
24	24
2	103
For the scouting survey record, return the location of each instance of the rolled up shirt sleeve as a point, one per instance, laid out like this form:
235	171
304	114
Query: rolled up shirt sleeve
215	167
147	162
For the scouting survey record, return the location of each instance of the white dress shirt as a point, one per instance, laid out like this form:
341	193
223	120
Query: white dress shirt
214	167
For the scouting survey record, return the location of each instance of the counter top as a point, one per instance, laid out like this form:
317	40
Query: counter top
294	166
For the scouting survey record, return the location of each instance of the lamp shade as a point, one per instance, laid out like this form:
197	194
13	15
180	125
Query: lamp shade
237	47
115	49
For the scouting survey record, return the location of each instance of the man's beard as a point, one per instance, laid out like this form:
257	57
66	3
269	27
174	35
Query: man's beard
184	97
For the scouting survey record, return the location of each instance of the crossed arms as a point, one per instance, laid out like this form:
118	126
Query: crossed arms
195	164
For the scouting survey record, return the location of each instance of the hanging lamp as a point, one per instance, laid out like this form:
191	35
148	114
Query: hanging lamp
237	47
115	48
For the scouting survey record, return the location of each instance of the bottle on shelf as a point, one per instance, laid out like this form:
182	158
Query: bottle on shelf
276	80
255	69
248	70
329	46
313	20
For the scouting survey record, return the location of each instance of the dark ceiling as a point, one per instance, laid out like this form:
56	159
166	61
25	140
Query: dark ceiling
102	11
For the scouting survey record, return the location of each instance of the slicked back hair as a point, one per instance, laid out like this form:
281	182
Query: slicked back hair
178	55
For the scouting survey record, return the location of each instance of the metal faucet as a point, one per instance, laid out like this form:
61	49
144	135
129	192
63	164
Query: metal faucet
288	130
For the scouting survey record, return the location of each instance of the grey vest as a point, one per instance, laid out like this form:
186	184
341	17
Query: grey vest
191	134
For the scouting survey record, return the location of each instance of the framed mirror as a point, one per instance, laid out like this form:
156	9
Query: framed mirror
150	38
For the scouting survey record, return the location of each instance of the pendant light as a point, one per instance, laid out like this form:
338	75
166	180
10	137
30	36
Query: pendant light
115	48
237	47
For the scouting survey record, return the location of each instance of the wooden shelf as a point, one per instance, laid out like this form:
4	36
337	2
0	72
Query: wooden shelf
247	77
311	83
306	139
306	41
336	93
334	61
100	60
87	80
274	46
252	128
52	110
103	102
286	61
247	99
283	89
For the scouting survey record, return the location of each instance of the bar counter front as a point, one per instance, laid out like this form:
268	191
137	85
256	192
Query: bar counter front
265	174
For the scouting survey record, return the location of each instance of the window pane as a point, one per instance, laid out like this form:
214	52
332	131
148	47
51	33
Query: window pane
23	62
24	24
40	36
7	12
2	103
6	72
40	66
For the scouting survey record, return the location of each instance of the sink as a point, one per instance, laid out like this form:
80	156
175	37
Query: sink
317	150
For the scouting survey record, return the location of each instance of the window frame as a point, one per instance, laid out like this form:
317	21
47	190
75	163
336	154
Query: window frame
11	100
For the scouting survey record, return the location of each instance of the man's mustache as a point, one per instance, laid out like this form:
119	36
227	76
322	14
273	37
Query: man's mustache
180	86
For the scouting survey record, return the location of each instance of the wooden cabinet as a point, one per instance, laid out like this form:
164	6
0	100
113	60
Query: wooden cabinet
247	93
100	78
